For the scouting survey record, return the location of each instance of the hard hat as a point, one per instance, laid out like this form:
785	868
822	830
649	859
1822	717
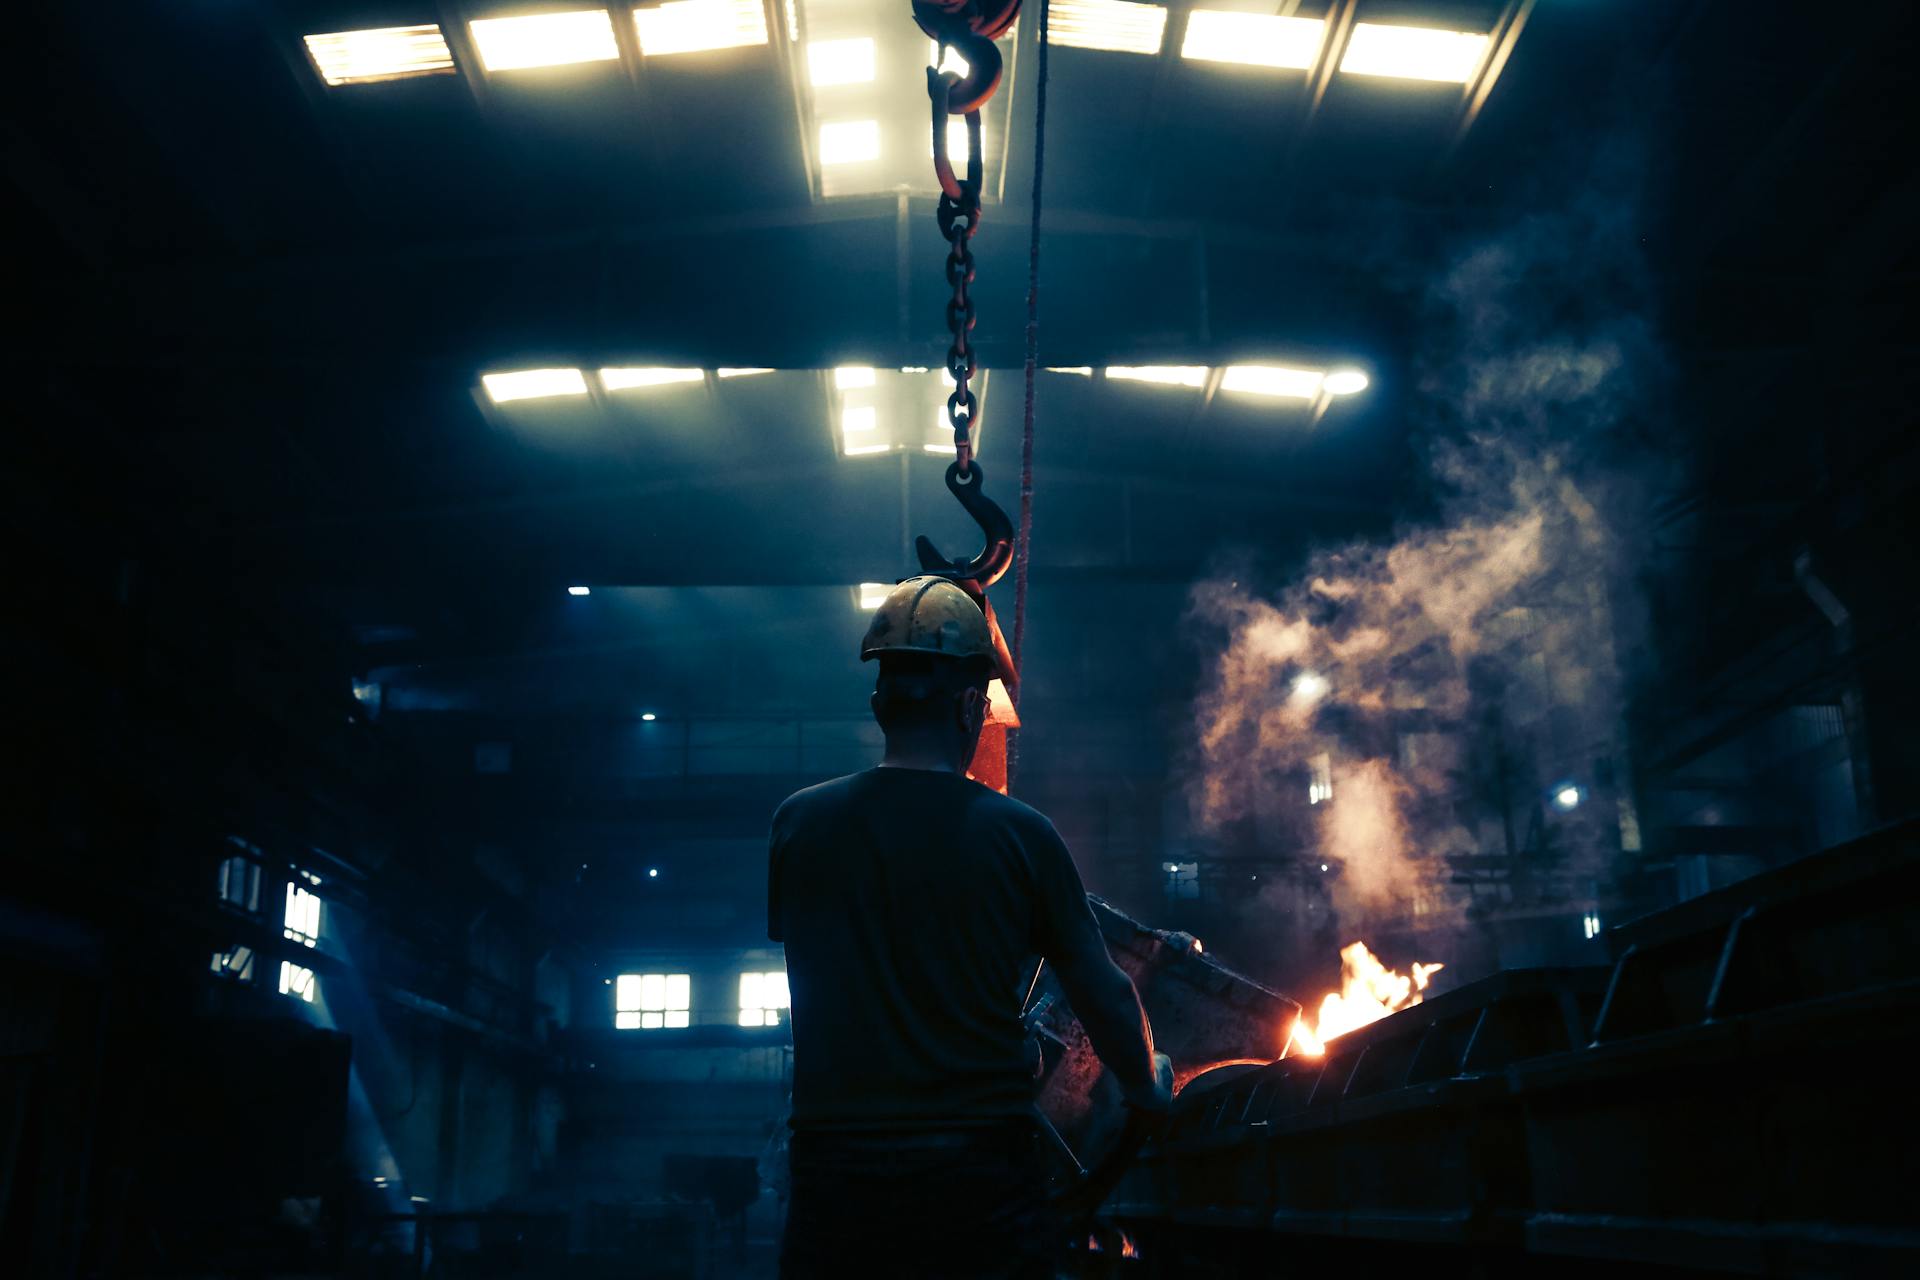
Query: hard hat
928	614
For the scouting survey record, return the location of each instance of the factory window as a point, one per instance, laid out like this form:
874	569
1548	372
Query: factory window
236	964
762	997
1182	879
302	920
651	1001
240	883
1320	787
295	981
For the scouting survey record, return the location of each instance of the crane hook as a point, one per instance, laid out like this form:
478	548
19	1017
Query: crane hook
970	27
996	557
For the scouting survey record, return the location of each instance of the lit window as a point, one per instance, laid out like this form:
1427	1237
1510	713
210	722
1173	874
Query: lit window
1253	39
385	53
831	62
621	379
545	39
236	964
849	377
740	373
859	418
1165	375
532	384
1320	785
240	883
874	594
295	981
1182	879
1272	380
1413	53
302	920
1107	24
951	59
651	1001
849	142
762	997
694	26
957	144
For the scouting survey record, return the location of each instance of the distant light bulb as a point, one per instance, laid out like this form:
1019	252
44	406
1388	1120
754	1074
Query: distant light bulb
1310	686
579	591
648	716
1567	797
1323	866
653	873
1344	382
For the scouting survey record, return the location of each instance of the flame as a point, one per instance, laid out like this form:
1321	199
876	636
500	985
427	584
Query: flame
1369	991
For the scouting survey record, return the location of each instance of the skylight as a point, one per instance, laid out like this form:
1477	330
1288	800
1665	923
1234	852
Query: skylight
1272	380
531	384
384	53
740	373
621	379
1166	375
695	26
831	62
1413	53
1252	39
545	39
1107	24
849	142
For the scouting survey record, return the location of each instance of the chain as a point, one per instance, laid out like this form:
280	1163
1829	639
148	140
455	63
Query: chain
959	218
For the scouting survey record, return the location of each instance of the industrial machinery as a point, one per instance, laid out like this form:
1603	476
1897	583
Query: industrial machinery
1727	1098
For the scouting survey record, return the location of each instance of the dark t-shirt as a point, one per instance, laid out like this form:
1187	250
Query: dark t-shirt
912	904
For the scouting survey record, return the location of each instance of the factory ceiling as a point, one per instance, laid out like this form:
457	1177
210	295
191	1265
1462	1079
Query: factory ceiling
267	304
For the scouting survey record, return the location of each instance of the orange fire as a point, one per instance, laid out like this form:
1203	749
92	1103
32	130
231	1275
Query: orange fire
1369	991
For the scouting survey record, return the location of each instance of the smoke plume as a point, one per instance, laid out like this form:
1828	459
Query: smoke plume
1435	682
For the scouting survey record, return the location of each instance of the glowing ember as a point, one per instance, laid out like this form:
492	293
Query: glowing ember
1369	991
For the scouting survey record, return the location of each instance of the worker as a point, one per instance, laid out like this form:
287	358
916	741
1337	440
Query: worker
912	901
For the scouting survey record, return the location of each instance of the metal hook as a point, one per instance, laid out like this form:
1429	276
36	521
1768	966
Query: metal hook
970	27
996	557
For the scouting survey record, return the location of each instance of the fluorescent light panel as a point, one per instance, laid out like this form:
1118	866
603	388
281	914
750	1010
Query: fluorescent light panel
696	26
621	379
849	142
831	62
1114	25
383	53
532	384
1252	39
1272	380
1413	53
1165	375
545	39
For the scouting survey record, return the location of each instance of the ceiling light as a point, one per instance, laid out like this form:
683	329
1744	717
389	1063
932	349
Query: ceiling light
831	62
1253	39
874	594
385	53
740	373
648	716
1107	24
545	39
849	142
860	417
1272	380
858	450
695	26
1413	53
1167	375
531	384
579	591
621	379
849	376
1344	382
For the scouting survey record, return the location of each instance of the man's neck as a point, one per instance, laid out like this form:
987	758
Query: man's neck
930	756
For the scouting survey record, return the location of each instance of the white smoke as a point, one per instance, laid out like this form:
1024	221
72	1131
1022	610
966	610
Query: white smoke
1507	605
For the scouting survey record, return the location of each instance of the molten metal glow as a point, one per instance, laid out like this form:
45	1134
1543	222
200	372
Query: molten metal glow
1369	991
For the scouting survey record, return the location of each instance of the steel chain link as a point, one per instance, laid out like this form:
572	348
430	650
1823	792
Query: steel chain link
959	220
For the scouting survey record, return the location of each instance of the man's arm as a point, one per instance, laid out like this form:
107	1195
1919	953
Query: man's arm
1102	995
